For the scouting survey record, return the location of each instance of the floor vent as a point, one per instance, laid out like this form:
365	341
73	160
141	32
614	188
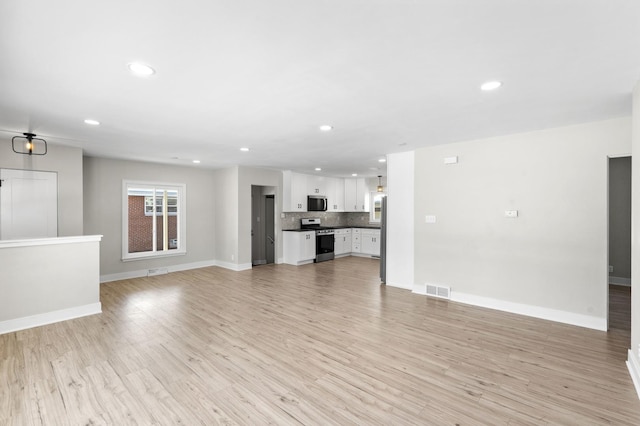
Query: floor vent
439	291
157	271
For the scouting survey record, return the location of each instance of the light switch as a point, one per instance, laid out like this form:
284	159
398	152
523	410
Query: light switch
511	214
451	160
430	219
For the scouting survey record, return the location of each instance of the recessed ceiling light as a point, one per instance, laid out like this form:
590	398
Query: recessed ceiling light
382	160
244	149
490	85
318	169
196	161
141	70
326	127
92	122
354	174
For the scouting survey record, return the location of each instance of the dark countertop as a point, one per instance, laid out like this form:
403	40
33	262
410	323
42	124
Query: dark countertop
333	227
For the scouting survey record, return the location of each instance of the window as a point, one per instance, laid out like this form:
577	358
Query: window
375	209
153	219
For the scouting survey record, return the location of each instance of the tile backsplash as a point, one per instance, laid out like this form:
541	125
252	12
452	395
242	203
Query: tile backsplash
292	220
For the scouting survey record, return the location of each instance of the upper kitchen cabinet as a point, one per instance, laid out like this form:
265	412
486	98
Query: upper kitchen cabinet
317	185
335	194
294	192
356	195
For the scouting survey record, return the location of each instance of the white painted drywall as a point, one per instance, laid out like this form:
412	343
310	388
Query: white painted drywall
67	162
554	255
225	192
48	280
103	210
635	234
400	223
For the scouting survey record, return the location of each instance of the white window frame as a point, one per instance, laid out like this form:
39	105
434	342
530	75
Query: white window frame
181	220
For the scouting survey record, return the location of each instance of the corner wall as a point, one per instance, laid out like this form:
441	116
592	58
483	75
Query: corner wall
551	261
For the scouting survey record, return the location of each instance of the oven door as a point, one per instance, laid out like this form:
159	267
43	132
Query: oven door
324	247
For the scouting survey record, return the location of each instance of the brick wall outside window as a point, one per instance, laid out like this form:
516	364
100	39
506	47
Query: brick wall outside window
141	227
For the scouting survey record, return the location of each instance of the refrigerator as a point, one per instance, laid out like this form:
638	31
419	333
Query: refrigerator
383	240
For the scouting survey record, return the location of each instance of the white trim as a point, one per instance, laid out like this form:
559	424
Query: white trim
49	241
234	266
565	317
556	315
402	286
23	323
633	364
620	281
144	272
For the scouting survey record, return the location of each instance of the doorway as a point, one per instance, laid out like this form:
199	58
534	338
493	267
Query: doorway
263	238
619	251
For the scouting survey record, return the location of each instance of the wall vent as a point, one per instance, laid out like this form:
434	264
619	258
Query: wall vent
157	271
441	291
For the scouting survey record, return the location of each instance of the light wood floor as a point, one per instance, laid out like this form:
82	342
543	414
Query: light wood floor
316	344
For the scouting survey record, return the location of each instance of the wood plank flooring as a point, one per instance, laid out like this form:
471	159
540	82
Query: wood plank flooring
316	344
619	307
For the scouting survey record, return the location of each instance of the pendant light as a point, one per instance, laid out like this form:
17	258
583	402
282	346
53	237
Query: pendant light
30	147
380	187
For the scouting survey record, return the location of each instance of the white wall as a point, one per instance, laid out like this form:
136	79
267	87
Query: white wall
103	212
225	191
400	226
67	162
48	280
634	353
551	261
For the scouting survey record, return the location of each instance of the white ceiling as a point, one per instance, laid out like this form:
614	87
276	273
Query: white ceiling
389	75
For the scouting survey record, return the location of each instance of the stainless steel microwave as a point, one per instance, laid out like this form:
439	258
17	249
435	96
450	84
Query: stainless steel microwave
316	203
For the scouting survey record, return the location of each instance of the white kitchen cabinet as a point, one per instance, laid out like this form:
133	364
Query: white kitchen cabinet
299	247
370	242
294	192
356	240
356	195
316	185
335	194
342	242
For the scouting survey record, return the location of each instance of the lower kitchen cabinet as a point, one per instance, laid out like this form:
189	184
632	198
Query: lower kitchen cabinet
370	242
299	247
342	242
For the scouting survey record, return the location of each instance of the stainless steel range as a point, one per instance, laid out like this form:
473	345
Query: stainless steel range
325	238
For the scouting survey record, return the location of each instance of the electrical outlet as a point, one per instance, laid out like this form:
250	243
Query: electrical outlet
233	257
610	268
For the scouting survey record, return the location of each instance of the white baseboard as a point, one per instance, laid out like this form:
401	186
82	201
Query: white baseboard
234	266
23	323
144	272
400	285
556	315
633	364
620	281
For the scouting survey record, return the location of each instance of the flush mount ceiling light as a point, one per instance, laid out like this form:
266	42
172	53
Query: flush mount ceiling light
140	69
244	149
91	122
326	128
196	161
380	188
490	85
318	169
354	174
382	160
30	146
